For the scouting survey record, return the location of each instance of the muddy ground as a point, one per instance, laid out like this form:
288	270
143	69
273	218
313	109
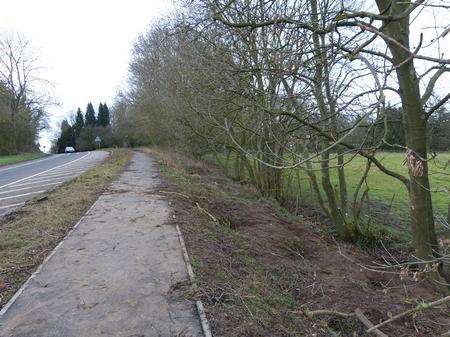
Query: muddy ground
261	270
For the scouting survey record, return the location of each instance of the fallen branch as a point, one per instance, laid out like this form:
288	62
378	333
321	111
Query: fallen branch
369	324
213	218
180	194
420	307
313	313
358	313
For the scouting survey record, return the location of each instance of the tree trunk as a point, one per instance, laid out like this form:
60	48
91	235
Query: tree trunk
320	80
446	266
423	230
342	183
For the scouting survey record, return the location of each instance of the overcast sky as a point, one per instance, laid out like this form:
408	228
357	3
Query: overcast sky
84	45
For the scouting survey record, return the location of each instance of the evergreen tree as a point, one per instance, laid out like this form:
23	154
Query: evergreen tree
90	115
100	114
79	122
85	142
395	133
107	115
66	138
439	130
103	118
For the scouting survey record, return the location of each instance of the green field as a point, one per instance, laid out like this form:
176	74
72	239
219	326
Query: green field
383	189
386	189
4	160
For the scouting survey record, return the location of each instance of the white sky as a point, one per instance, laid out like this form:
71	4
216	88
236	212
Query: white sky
84	45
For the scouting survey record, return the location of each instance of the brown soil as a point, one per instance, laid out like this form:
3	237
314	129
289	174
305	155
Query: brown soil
260	269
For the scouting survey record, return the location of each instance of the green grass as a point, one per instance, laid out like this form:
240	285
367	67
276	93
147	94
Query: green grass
382	188
16	158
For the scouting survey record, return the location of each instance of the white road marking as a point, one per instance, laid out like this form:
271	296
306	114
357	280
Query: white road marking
28	163
34	183
12	205
27	188
77	166
72	169
67	169
22	195
37	174
53	176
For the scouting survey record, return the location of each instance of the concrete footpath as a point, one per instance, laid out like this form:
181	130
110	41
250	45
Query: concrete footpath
112	275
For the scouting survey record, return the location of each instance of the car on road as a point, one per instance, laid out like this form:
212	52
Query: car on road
69	149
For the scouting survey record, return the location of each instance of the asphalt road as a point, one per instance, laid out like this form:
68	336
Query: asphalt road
23	181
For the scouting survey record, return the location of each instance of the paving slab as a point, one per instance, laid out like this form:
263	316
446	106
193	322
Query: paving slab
112	275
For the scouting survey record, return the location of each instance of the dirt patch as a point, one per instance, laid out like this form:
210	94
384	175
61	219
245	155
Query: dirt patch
238	214
260	270
28	235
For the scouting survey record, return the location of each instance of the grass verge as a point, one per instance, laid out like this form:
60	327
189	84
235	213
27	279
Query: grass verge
16	158
30	234
261	270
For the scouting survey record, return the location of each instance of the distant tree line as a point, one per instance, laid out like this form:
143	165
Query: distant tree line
81	131
393	132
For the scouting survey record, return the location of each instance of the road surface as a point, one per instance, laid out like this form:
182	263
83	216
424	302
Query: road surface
23	181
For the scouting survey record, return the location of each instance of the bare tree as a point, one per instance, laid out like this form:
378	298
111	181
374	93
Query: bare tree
21	94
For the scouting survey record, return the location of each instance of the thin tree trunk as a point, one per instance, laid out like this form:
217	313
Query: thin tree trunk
446	266
334	211
342	183
421	207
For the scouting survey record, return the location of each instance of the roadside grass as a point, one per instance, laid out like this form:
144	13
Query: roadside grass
16	158
30	234
259	271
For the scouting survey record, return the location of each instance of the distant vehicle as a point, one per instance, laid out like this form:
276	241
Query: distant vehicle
69	149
